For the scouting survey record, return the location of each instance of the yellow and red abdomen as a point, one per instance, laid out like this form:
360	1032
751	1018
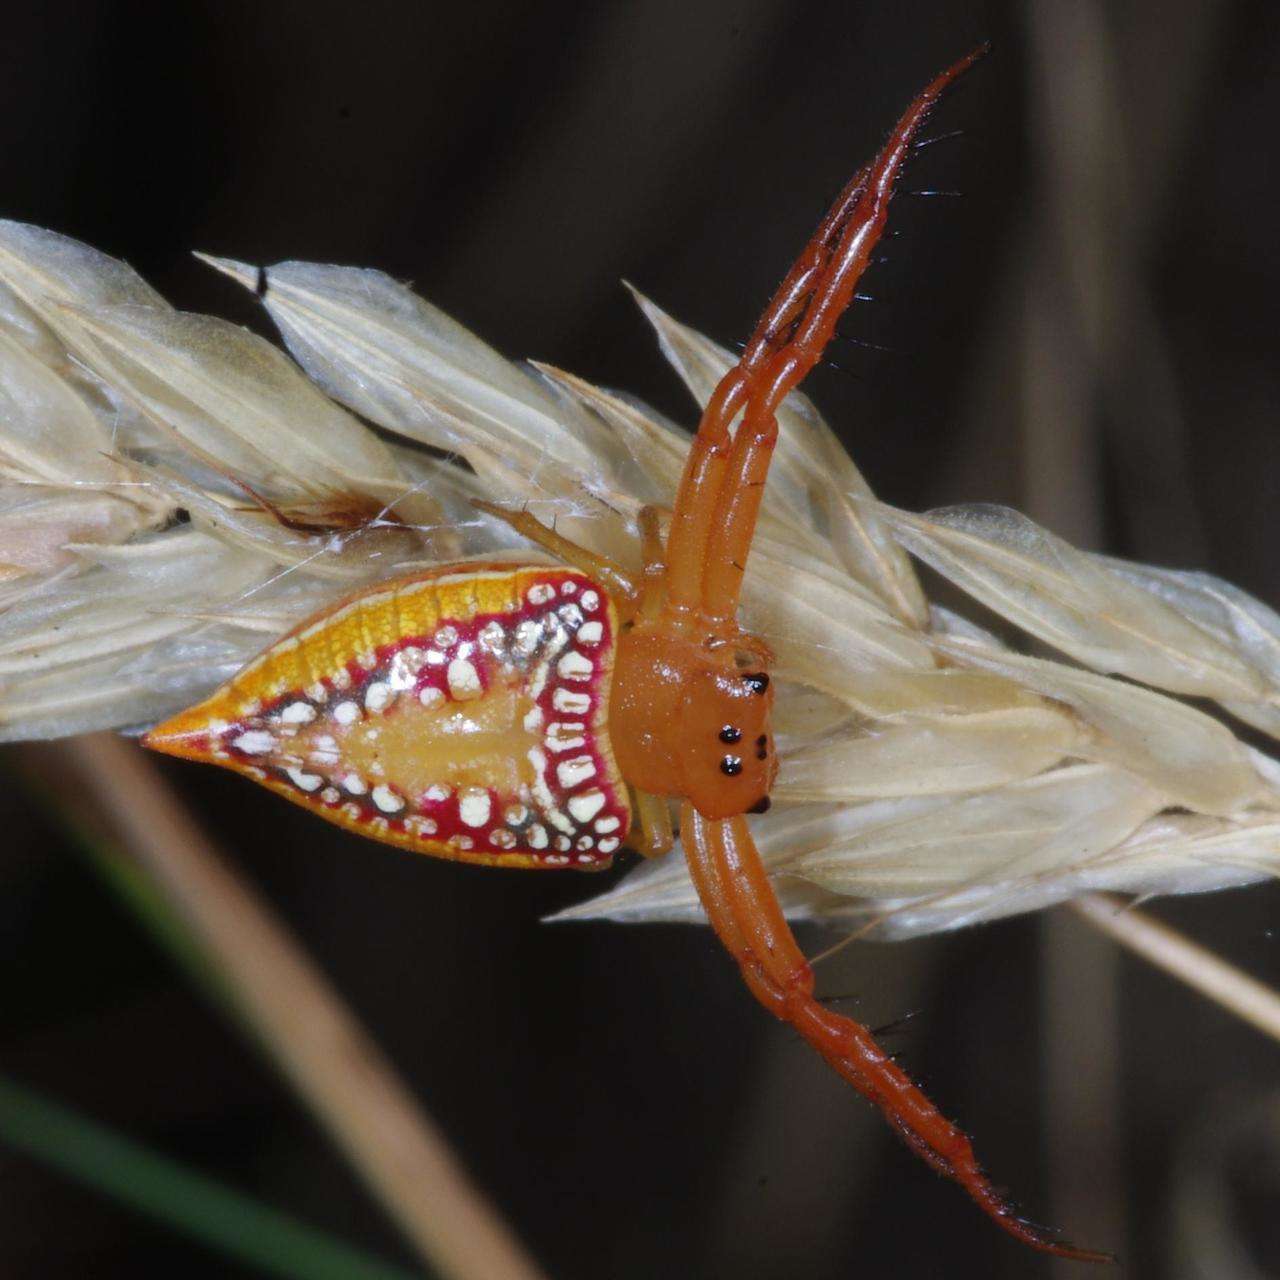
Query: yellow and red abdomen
462	713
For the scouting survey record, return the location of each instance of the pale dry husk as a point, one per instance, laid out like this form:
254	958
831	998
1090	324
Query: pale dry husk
932	775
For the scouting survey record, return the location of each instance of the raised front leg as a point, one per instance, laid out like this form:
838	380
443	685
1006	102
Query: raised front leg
790	340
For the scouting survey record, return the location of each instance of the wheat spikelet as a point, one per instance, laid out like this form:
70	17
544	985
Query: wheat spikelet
933	776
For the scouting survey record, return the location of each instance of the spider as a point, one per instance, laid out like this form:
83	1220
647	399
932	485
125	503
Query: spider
534	715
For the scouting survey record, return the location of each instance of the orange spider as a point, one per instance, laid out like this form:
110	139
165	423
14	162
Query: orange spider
541	716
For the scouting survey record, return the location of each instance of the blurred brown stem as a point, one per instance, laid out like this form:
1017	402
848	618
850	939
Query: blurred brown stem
1232	988
312	1036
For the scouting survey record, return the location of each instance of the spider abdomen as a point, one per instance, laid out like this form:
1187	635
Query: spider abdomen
461	713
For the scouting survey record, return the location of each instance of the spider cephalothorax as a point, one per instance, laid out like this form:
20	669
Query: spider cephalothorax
539	716
688	721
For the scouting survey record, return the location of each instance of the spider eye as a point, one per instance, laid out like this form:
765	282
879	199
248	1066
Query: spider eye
756	681
730	733
732	765
762	747
761	806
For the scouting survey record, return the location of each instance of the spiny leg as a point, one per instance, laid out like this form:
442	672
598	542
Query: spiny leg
740	903
704	471
779	358
722	857
620	584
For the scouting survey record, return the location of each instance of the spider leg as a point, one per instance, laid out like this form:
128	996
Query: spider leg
651	548
653	835
704	471
620	584
788	342
692	514
737	509
740	903
654	594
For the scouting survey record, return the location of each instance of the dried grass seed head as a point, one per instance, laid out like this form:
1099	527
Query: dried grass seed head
932	777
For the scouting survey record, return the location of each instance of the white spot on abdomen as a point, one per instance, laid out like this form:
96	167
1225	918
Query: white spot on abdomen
387	800
565	737
254	742
574	666
572	772
306	781
474	807
584	807
528	633
464	680
379	696
324	750
571	703
403	672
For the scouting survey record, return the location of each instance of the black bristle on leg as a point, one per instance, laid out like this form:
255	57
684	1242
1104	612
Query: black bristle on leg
868	344
896	1024
941	137
843	369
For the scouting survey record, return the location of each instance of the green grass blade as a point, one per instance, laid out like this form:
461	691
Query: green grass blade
189	1202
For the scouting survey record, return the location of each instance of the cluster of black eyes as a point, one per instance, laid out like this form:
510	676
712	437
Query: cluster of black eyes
732	765
757	682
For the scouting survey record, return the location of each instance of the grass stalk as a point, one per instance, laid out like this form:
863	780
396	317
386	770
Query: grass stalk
208	1211
299	1019
1201	969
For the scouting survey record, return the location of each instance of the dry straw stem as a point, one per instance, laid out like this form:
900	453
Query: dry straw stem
934	775
1250	1000
302	1022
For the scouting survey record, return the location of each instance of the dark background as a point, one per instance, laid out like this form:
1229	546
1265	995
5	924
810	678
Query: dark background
1090	332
